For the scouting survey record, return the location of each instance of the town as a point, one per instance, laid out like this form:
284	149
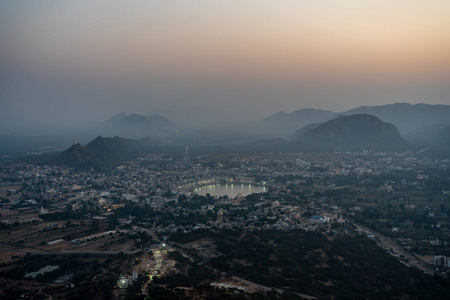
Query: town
156	218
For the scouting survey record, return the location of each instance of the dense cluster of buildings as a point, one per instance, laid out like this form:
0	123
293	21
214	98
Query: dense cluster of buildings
28	192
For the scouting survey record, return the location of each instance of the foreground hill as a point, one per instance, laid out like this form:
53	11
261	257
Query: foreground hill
349	133
103	153
327	267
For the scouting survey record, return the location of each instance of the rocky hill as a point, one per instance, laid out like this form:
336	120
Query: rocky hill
103	153
348	133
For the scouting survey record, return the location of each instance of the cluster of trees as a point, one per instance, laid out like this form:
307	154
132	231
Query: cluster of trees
178	257
82	268
143	239
62	216
312	263
308	262
413	223
184	238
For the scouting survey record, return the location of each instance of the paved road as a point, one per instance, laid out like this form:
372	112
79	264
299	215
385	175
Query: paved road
391	244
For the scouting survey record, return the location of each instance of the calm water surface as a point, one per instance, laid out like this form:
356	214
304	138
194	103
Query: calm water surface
231	190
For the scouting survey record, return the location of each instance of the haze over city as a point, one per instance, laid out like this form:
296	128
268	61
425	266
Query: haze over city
211	63
233	150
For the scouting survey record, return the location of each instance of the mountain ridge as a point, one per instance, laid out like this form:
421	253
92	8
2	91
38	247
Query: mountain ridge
408	118
138	126
348	133
103	153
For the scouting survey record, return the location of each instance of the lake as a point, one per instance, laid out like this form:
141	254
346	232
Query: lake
231	190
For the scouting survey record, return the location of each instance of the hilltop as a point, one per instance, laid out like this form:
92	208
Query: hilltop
348	133
410	119
103	152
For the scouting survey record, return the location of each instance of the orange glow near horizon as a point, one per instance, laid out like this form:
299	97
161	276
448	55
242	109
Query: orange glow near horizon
261	39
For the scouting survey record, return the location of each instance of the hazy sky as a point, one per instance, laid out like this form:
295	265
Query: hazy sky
217	61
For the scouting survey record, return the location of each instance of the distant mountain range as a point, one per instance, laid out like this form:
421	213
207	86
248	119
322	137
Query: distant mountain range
342	133
306	115
283	123
137	126
350	133
415	122
407	117
421	125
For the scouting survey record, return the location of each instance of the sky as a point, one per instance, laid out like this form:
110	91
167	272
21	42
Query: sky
216	62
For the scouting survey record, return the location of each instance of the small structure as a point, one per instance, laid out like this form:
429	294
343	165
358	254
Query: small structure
318	220
441	261
219	216
123	283
55	242
99	223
